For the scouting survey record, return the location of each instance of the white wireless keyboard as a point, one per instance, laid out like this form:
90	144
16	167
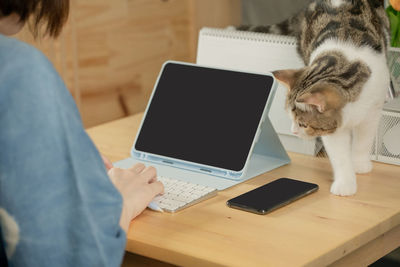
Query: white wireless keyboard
179	194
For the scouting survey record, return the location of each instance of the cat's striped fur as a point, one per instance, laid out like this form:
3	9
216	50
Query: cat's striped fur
340	92
363	22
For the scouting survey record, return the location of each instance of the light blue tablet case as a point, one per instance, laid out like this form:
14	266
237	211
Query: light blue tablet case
266	153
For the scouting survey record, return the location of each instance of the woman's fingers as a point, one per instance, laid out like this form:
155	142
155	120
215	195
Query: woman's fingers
137	168
157	187
149	174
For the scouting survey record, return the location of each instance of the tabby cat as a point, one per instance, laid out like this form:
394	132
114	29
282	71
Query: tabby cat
340	93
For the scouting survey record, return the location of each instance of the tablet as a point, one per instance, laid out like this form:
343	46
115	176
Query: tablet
204	116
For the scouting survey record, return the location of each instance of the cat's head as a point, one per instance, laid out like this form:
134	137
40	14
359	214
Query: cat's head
315	108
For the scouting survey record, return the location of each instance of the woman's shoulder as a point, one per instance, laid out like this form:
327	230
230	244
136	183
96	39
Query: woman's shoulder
26	68
25	71
17	56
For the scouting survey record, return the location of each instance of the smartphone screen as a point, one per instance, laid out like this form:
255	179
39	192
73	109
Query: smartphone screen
273	195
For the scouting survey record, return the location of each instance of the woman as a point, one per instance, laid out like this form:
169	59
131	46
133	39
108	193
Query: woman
58	206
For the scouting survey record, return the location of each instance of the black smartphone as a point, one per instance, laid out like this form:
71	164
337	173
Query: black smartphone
272	196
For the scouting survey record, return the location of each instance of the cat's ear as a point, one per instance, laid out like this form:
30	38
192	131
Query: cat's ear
287	77
313	99
325	98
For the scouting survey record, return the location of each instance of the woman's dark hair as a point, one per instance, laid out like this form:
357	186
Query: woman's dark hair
53	13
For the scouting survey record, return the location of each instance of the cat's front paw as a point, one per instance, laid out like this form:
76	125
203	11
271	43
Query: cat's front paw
344	188
362	166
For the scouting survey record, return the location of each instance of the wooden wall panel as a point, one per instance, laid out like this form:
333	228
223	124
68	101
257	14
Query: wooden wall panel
111	52
212	13
122	45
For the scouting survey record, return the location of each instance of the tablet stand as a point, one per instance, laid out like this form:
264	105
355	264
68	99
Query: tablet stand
268	153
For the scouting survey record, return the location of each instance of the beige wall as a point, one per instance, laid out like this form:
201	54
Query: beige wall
110	52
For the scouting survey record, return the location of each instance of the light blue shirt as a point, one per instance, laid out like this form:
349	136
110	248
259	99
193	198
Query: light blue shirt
57	205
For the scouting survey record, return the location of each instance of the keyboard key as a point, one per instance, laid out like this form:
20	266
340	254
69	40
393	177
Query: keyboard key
180	194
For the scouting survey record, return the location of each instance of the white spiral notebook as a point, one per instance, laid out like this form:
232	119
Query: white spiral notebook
258	52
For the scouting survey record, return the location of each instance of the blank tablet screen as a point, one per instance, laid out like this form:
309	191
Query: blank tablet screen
204	115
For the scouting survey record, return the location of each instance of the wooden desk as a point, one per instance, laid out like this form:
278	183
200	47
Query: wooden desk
318	230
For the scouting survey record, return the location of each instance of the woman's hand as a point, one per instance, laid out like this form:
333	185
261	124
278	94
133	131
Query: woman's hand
107	163
138	186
